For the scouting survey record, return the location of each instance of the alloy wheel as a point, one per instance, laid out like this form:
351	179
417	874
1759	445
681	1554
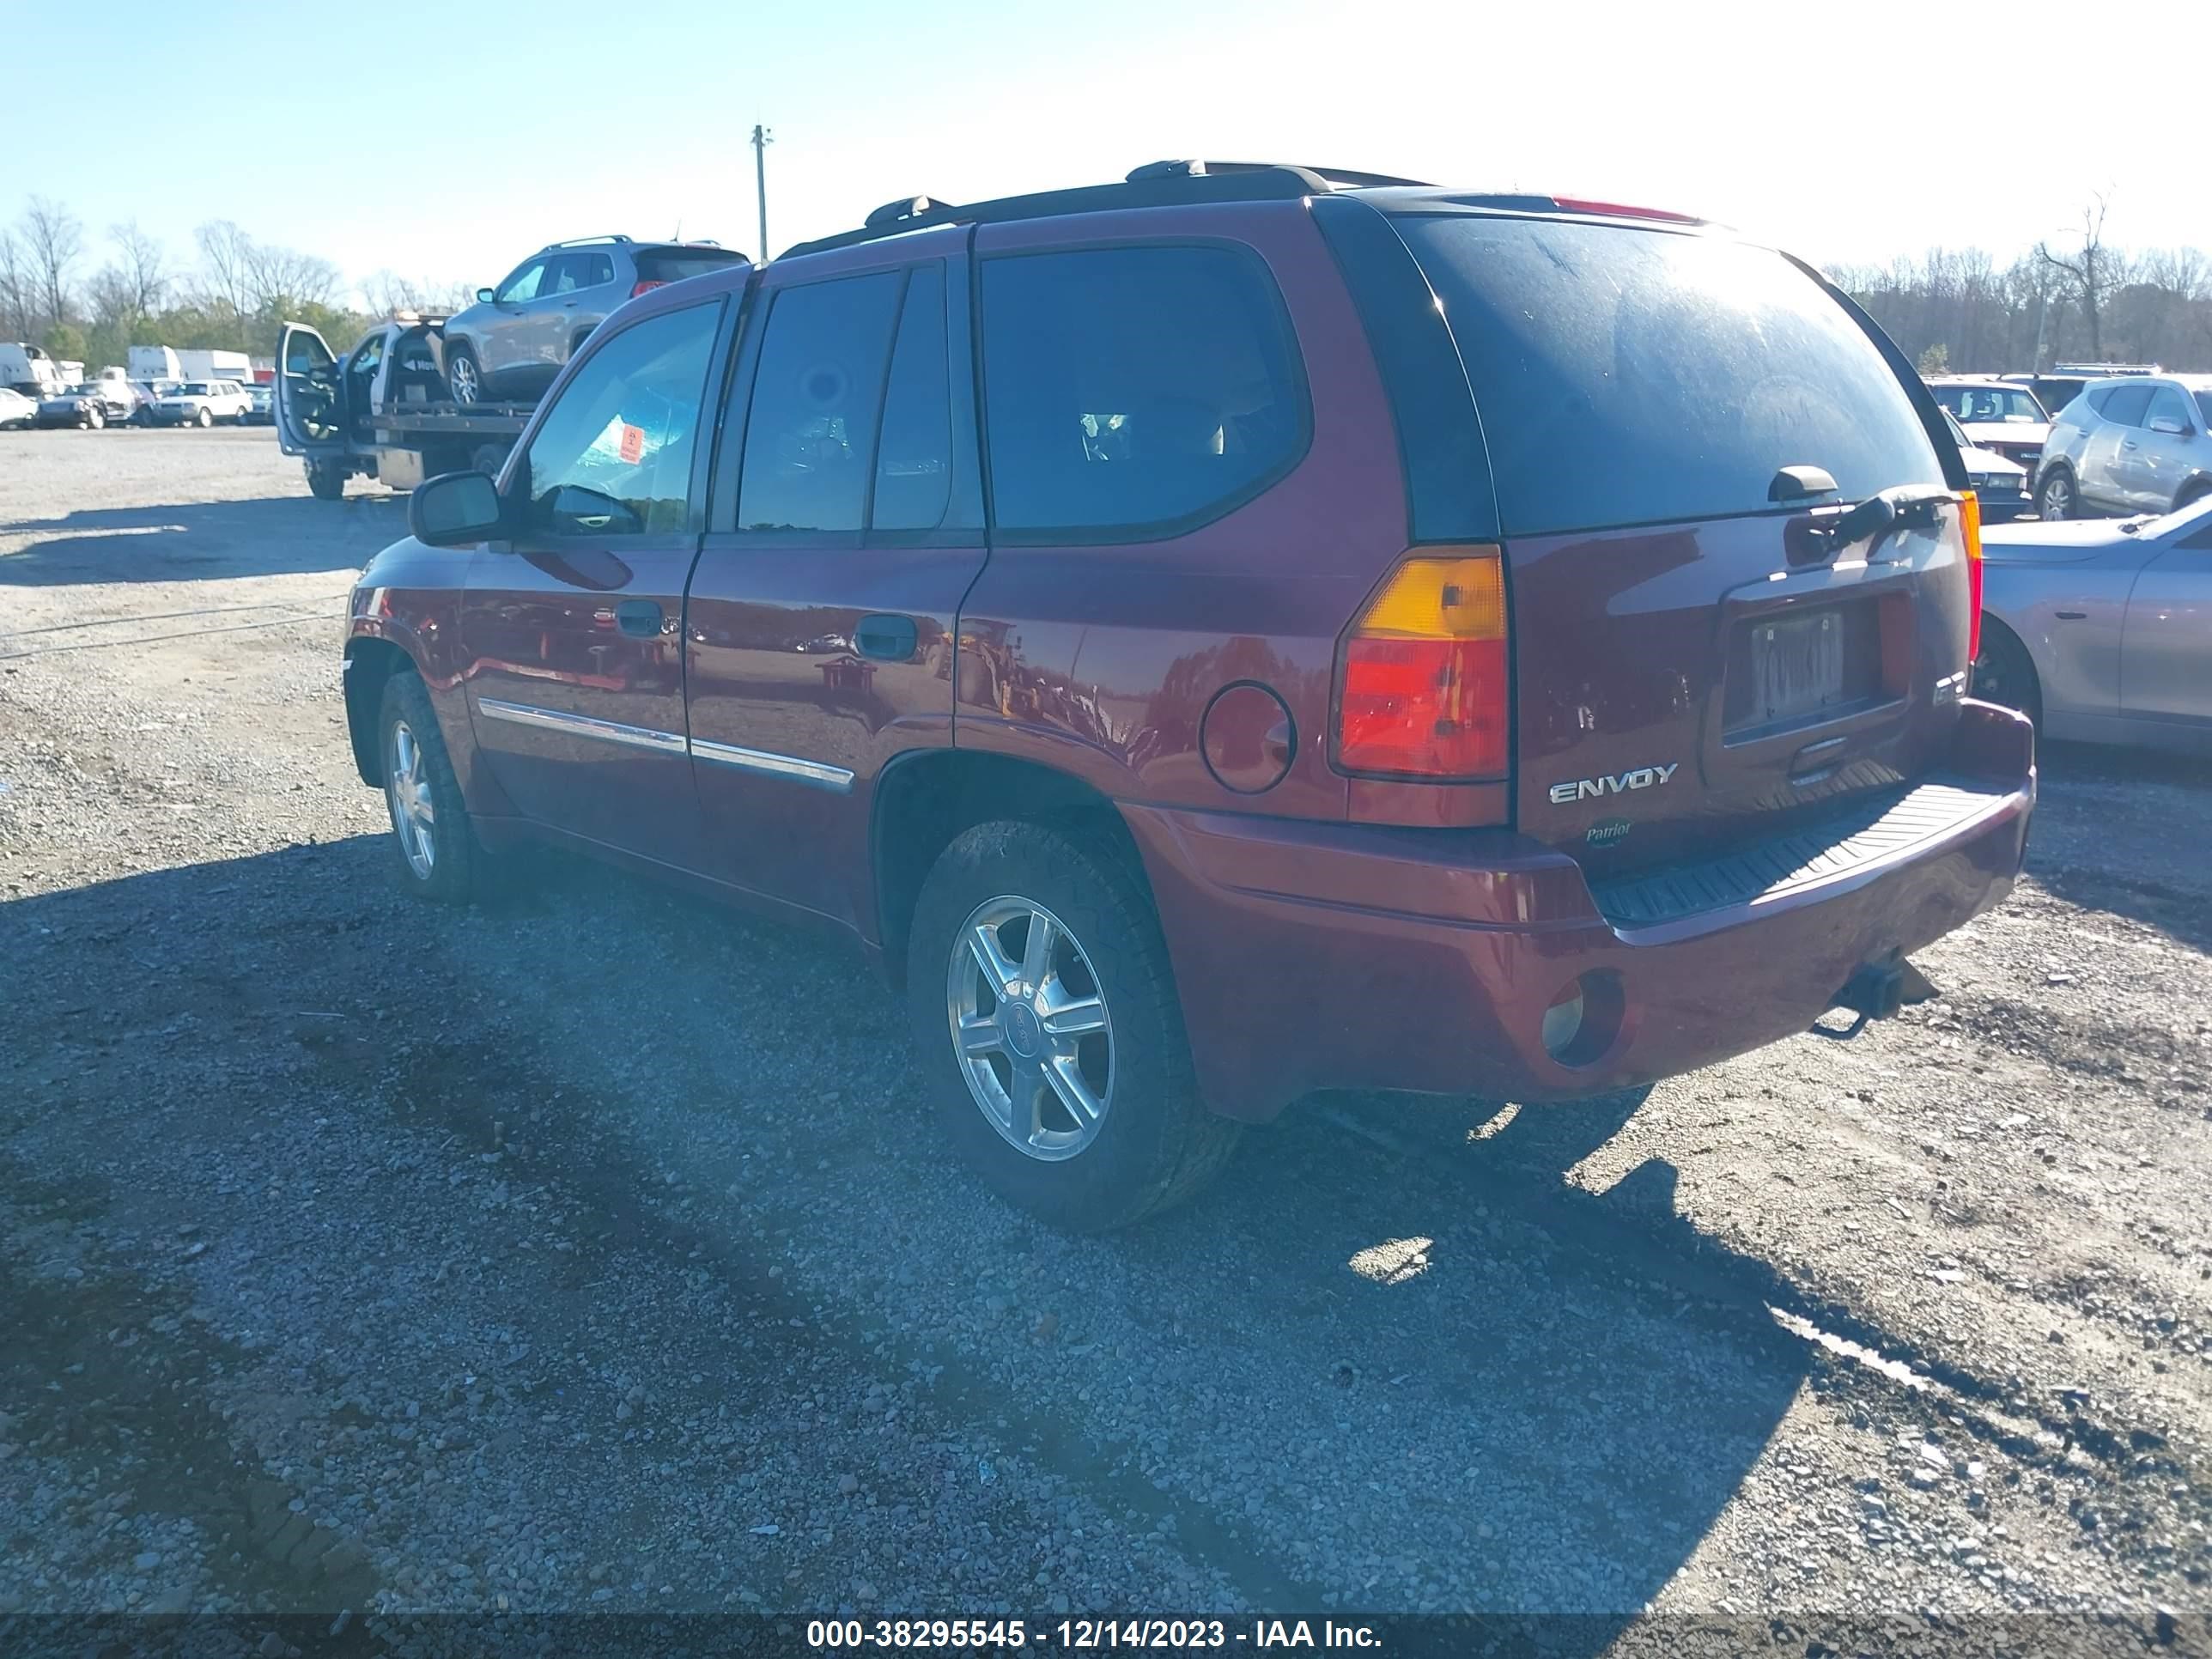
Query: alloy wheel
1029	1025
407	792
2056	499
464	379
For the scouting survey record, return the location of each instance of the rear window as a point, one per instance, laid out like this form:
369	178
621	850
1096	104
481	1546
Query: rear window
674	264
1636	377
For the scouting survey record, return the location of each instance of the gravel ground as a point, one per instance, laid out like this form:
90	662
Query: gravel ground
588	1251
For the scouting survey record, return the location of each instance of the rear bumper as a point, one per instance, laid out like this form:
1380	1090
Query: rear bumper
1328	956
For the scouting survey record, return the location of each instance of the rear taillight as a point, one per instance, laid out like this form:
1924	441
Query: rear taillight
644	287
1970	523
1422	689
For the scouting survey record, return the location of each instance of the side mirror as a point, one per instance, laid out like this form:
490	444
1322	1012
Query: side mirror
2168	425
483	296
455	509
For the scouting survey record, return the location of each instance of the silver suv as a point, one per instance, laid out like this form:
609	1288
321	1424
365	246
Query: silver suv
2138	445
518	336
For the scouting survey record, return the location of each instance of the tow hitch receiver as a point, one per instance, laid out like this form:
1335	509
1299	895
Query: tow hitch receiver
1877	991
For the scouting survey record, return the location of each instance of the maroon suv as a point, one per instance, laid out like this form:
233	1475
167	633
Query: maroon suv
1233	633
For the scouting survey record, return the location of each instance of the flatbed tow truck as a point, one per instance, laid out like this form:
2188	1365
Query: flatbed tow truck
385	409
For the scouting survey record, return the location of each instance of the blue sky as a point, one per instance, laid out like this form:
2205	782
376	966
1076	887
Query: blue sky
443	142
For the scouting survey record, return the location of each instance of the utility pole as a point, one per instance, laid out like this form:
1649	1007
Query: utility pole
761	139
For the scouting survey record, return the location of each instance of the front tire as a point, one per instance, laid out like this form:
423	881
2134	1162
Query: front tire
94	419
204	419
435	854
463	376
325	482
1049	1030
2055	497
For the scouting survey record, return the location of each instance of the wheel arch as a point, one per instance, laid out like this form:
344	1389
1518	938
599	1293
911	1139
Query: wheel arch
370	663
1995	627
924	799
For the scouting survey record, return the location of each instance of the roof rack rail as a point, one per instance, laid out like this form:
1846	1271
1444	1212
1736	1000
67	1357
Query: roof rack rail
1156	184
1337	177
584	241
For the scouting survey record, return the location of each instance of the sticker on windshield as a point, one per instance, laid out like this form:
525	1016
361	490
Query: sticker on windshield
631	448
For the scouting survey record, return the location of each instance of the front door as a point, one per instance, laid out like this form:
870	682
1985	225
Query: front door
571	632
2164	455
2165	650
310	395
507	345
847	526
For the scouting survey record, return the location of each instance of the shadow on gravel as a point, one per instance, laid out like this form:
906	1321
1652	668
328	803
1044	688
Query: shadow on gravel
1391	1359
275	535
2121	830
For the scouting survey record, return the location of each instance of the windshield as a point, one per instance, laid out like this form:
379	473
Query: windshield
1985	404
1629	376
192	389
85	390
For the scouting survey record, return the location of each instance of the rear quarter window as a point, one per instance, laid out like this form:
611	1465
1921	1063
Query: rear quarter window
1630	376
1135	391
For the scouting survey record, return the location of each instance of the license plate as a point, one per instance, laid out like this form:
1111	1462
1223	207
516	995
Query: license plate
1796	667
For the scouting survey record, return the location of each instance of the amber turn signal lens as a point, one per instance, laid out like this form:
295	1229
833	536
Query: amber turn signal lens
1970	522
1423	692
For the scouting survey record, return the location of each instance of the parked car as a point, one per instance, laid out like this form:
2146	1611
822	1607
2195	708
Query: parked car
203	403
2133	445
16	410
261	404
1271	724
2061	386
1997	415
2001	486
513	342
90	405
2102	630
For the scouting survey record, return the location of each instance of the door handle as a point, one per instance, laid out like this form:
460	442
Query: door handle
2071	616
639	618
2127	443
888	638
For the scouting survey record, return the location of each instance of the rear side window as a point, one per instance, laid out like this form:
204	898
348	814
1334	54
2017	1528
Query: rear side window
1627	376
1135	391
2167	403
2124	405
810	437
914	456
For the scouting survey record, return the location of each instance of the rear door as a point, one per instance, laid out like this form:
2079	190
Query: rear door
1694	664
846	525
311	417
571	634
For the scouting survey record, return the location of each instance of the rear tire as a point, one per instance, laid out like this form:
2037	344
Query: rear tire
2004	672
2056	499
435	852
2191	493
325	482
464	375
1150	1142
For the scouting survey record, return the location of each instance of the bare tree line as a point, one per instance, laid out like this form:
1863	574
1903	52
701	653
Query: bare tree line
2082	300
232	291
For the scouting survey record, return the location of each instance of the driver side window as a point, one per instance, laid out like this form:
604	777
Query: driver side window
523	285
613	455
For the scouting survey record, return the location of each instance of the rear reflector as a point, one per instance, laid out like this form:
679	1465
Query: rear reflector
1421	679
643	287
1970	521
